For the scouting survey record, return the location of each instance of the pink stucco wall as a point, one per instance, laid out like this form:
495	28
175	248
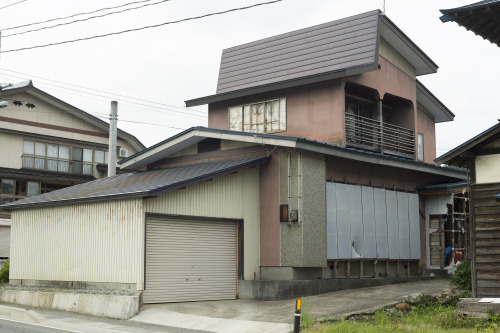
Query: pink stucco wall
427	126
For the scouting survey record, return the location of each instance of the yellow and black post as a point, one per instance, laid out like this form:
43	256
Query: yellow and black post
296	323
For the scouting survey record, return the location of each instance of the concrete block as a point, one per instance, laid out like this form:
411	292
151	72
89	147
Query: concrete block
110	306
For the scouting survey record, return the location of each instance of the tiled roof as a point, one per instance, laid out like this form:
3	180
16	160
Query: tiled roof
147	183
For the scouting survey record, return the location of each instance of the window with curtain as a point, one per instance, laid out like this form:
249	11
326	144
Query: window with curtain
263	117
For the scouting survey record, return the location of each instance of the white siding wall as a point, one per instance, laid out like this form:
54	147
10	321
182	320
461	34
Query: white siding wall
93	242
234	196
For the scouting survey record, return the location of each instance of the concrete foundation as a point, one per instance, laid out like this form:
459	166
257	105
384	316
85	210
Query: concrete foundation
73	284
288	289
110	306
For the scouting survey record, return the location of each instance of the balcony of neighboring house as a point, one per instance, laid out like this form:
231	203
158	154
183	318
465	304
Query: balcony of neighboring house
380	125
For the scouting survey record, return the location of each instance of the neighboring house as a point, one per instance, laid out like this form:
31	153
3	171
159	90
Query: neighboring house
481	18
46	145
305	182
481	155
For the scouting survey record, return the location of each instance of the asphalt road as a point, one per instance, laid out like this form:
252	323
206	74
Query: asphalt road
11	326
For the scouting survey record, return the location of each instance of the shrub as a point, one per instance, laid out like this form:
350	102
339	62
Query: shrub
462	277
4	272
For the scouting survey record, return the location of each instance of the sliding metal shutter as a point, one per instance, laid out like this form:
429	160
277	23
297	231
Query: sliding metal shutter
189	260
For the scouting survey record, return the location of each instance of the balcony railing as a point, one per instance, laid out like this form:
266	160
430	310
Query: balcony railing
371	134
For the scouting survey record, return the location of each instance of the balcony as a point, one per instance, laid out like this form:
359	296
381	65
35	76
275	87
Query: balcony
371	134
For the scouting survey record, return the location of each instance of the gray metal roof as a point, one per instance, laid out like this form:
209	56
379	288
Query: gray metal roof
443	187
481	18
149	183
195	134
327	51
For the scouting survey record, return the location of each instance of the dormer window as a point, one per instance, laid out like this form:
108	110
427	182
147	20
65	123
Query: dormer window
262	117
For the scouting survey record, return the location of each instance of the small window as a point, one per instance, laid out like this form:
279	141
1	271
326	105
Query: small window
263	117
29	147
420	146
99	156
33	188
7	186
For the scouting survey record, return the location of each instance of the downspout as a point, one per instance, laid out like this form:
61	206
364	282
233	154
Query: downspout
299	185
289	184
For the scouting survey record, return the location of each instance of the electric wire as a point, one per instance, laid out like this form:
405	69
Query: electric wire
140	122
85	19
12	4
73	15
100	91
103	97
142	28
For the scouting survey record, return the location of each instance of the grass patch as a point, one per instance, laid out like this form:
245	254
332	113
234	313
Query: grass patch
427	317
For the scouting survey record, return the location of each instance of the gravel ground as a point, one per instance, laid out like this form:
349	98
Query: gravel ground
70	291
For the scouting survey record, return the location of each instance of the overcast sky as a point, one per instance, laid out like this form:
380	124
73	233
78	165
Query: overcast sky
155	70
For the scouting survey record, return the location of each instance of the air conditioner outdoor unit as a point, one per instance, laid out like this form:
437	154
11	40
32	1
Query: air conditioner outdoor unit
123	152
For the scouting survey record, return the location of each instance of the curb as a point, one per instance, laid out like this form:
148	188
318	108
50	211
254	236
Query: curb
21	314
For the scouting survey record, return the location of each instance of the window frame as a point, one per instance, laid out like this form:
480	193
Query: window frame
420	152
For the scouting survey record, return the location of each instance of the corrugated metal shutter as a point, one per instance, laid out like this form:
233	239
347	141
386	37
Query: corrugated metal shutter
189	260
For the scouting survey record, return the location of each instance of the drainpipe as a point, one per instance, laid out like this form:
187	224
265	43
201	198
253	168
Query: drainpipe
381	125
289	184
299	190
113	118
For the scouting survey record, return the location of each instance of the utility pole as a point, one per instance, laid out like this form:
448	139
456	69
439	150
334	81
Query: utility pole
113	118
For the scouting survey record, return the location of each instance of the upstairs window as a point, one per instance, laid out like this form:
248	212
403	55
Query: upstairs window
61	158
420	147
263	117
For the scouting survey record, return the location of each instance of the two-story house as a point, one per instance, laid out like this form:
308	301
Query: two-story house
305	181
46	145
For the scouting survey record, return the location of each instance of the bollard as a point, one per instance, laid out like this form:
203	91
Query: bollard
296	323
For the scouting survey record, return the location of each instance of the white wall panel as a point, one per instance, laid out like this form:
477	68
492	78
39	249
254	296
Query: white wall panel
404	226
392	224
234	196
413	214
99	241
356	220
343	223
369	234
381	223
331	222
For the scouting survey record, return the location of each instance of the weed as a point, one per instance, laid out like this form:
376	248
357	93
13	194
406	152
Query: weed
306	317
462	277
4	272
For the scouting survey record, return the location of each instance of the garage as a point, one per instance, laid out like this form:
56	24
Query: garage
190	259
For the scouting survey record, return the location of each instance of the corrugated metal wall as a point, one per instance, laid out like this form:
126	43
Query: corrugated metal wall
99	241
234	196
365	222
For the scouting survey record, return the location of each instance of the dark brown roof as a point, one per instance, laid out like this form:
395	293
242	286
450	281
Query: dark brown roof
322	52
482	18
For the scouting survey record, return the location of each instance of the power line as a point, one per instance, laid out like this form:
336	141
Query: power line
12	4
66	17
101	91
86	19
75	91
142	28
139	122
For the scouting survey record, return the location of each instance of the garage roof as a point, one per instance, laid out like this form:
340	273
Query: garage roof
149	183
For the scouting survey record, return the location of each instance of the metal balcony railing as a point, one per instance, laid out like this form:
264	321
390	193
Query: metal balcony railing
371	134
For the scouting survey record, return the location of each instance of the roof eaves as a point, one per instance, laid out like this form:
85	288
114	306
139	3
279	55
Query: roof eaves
282	84
432	66
377	158
443	159
445	112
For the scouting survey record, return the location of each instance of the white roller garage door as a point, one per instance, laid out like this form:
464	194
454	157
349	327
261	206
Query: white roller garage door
190	260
